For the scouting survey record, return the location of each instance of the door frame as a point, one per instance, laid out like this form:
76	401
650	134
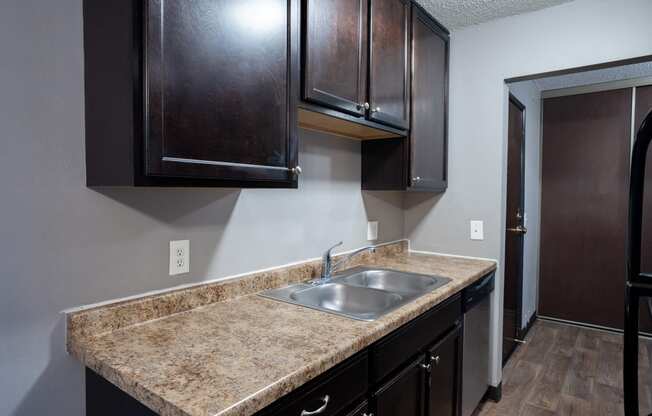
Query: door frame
520	332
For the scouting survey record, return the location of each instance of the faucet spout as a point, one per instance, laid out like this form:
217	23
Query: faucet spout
328	267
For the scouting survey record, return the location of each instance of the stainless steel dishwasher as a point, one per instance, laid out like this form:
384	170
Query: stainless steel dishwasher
476	305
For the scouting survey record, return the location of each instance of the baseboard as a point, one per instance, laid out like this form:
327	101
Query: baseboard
495	393
523	332
591	326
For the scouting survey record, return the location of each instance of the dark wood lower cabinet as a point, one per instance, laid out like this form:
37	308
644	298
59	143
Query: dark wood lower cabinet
427	381
360	410
444	383
403	395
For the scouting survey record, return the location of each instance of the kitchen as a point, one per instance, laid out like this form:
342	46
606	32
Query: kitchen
139	219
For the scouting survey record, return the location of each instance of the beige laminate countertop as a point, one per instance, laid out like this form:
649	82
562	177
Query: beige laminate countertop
235	357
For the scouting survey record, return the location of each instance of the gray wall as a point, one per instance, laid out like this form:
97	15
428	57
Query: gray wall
582	32
65	245
528	93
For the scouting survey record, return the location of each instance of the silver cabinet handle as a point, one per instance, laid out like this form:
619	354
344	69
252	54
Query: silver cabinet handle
325	399
367	414
364	106
435	359
297	171
427	367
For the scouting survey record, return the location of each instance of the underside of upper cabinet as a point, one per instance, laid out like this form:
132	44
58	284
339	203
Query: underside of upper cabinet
320	122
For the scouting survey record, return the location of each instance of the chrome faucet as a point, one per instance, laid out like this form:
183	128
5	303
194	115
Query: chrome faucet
328	267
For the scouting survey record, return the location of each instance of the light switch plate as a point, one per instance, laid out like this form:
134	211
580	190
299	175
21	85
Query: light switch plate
179	257
477	230
372	230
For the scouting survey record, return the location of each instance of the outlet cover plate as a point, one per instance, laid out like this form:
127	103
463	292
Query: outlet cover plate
477	230
179	257
372	230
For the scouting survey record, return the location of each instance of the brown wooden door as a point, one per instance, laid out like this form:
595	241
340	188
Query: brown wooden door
428	128
643	107
403	395
515	226
335	49
219	96
389	62
585	168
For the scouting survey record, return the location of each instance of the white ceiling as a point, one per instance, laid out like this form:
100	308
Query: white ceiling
455	14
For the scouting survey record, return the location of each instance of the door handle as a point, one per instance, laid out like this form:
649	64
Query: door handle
518	230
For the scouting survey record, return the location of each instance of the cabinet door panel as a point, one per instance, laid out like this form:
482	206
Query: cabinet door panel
335	50
360	410
389	62
444	385
218	89
403	395
428	132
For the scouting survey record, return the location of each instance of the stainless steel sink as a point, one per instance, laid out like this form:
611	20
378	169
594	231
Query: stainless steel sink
353	301
393	281
360	293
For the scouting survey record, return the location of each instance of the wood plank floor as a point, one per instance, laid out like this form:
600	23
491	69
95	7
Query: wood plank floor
569	371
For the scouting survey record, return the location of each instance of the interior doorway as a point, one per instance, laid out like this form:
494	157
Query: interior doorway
515	227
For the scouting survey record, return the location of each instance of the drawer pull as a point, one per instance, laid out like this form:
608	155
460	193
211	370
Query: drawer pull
435	359
325	399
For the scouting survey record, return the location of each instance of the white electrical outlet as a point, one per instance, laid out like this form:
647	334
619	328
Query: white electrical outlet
372	230
179	257
477	230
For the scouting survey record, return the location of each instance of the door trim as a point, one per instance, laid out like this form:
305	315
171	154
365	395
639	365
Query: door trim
519	284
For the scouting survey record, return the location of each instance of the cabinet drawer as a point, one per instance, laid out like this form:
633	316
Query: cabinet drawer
388	354
333	392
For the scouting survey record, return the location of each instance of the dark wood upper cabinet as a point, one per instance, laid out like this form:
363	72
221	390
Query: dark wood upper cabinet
205	96
335	54
389	62
419	163
428	130
355	56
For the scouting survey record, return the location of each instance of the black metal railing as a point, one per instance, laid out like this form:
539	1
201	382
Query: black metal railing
639	284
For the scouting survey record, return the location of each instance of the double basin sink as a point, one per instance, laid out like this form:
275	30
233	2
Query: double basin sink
361	293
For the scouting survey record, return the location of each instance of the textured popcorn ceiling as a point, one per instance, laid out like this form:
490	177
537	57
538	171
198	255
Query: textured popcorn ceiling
455	14
596	77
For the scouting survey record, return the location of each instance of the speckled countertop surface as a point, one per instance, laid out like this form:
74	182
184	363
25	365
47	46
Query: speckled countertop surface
236	356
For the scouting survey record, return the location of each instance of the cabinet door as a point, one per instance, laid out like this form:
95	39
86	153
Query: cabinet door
389	62
218	89
445	381
361	410
403	395
335	50
428	130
